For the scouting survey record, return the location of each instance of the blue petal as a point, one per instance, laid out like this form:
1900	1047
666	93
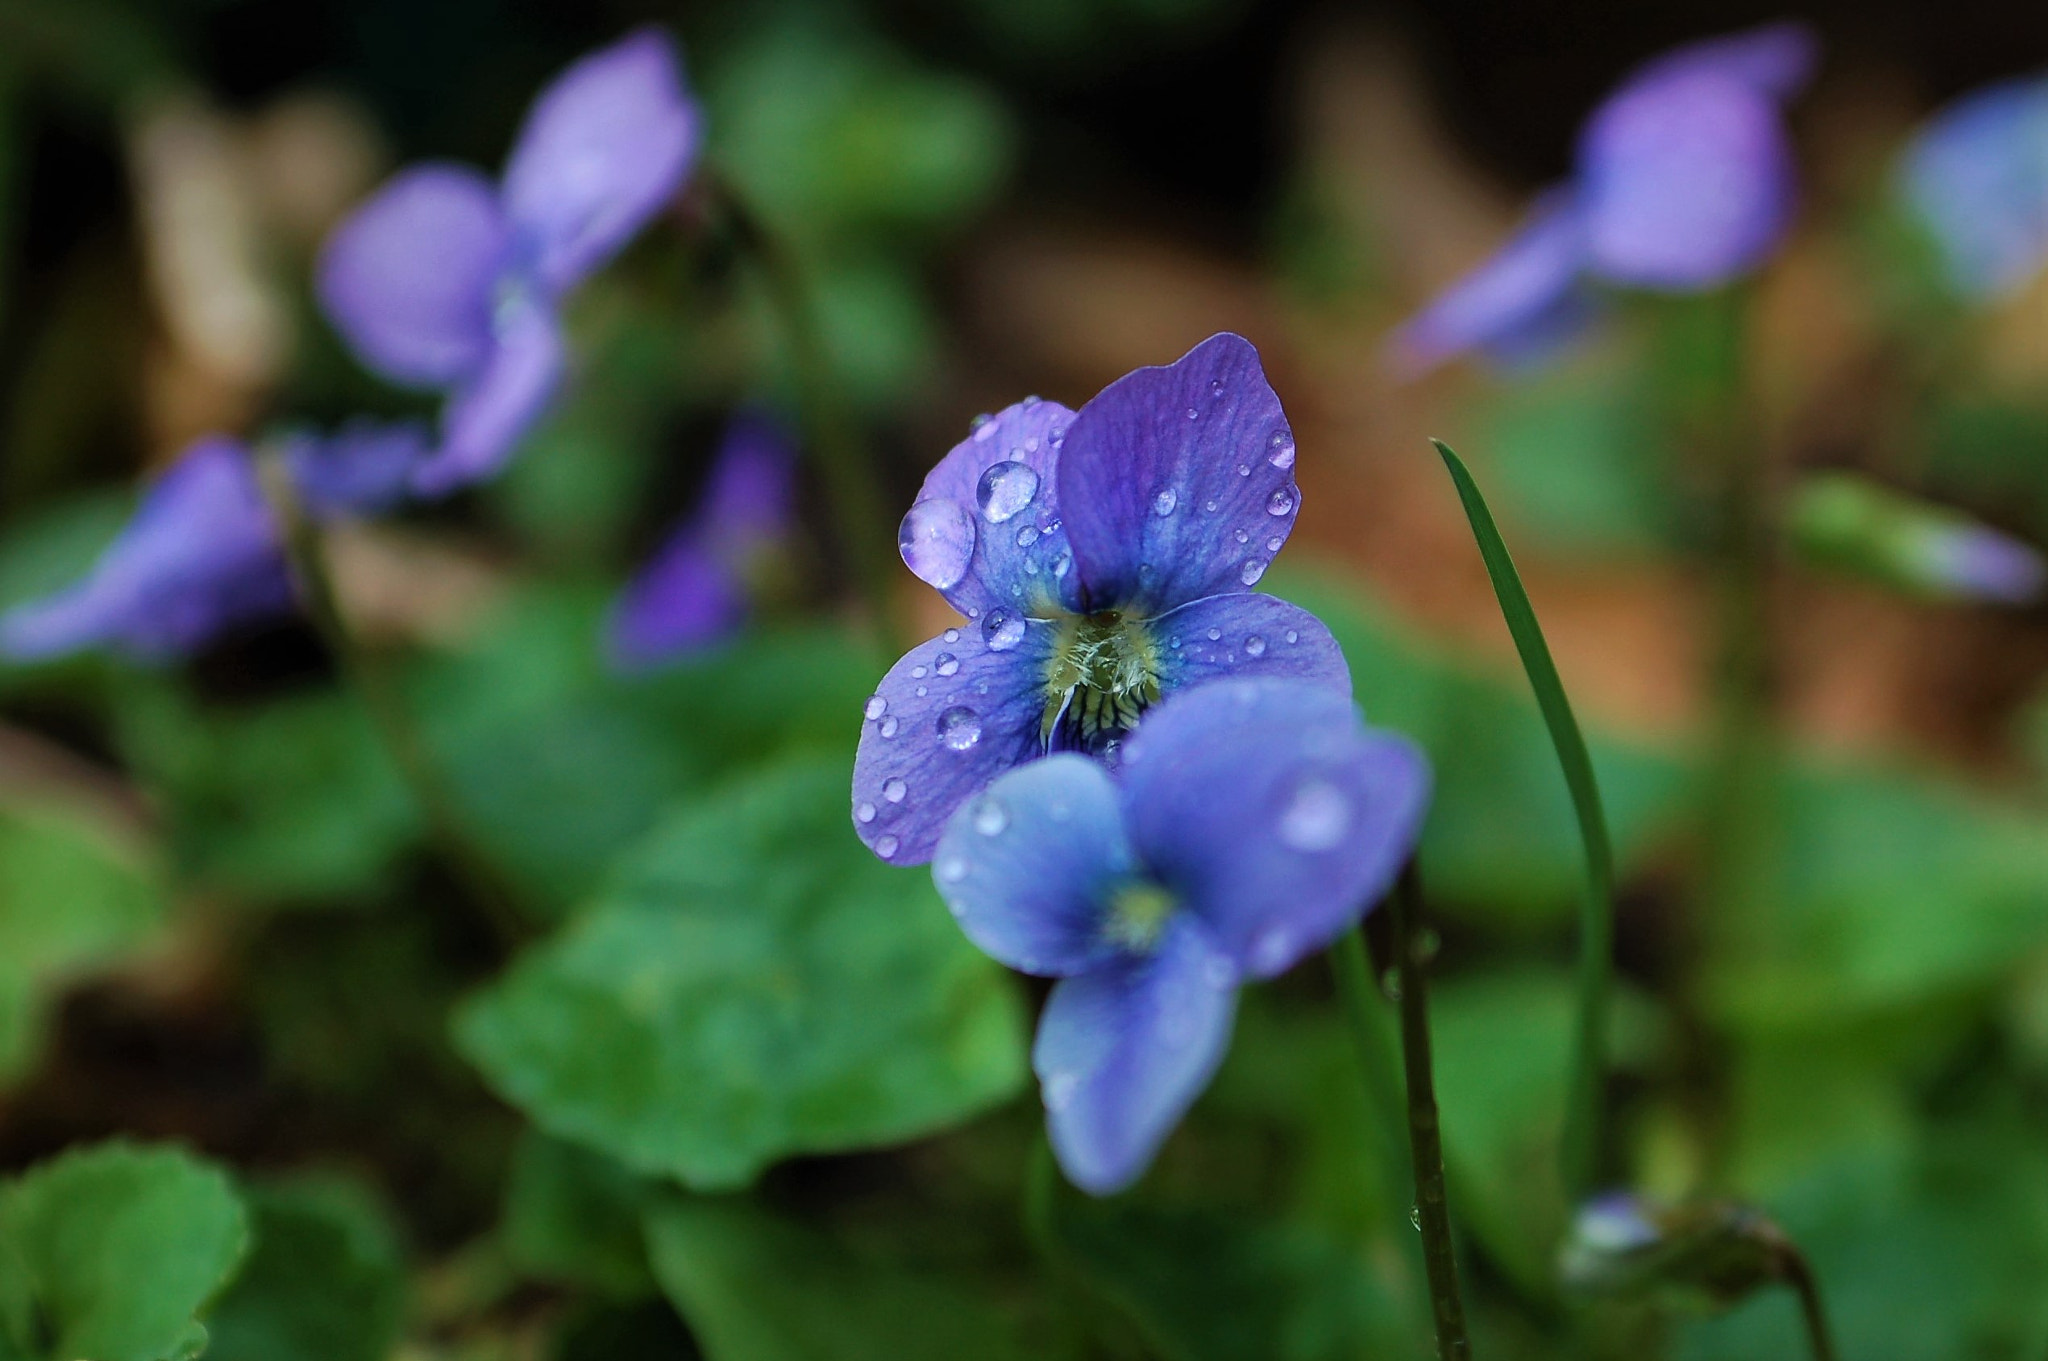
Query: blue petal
949	717
1527	286
1124	1051
361	469
985	528
203	553
1254	635
1272	812
1161	470
485	420
604	148
685	600
408	277
1774	60
750	494
1028	866
1977	175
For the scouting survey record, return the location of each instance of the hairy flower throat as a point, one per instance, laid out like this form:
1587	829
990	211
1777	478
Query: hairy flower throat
1103	675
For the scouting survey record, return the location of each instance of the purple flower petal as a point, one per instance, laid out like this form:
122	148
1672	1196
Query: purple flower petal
1122	1052
1165	467
1978	562
951	715
203	553
604	148
750	494
361	469
1273	812
1977	175
1029	866
485	419
1775	60
985	529
1247	634
408	278
1526	288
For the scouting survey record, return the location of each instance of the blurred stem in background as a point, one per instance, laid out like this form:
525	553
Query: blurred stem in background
853	482
1378	1056
493	900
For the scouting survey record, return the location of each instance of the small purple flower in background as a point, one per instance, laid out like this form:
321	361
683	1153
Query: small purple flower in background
693	593
202	554
447	282
1251	823
361	469
1976	562
1684	182
1103	559
1977	176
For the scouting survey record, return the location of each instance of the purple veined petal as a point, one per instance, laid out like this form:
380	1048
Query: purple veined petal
1122	1052
202	554
1775	60
1527	287
1165	468
1273	812
1977	176
1684	183
985	529
953	714
1247	634
484	420
408	277
604	147
1029	864
685	600
361	469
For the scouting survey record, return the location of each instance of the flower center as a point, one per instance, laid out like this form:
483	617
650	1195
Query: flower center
1103	674
1138	912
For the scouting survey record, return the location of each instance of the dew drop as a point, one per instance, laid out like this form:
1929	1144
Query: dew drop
1415	1217
990	817
894	789
1316	817
1280	502
951	870
946	664
1244	470
886	846
1174	642
952	635
1252	570
922	691
1255	646
865	813
918	672
1002	630
1273	544
1293	637
888	728
1215	635
1056	436
1005	489
983	426
959	727
1062	564
1164	503
1193	414
1215	387
1027	536
936	540
1210	505
875	707
1280	449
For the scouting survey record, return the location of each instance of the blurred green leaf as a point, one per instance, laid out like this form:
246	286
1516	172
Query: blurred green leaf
573	1215
324	1280
72	897
754	1286
124	1246
752	985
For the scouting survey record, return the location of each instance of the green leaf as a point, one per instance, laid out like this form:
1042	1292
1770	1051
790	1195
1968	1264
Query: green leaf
72	897
1574	452
752	985
324	1282
757	1287
573	1215
124	1246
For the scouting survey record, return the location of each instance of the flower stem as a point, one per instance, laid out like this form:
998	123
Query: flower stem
1365	1016
1425	1140
852	479
1799	1275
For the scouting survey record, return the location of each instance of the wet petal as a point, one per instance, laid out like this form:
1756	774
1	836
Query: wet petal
1124	1051
1247	634
949	717
1274	813
1531	287
484	421
408	278
985	529
1164	467
202	554
361	469
1028	866
1977	176
604	148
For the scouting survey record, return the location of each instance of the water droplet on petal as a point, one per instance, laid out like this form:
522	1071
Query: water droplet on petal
990	817
1281	502
1164	503
1273	950
951	870
894	789
1215	635
886	846
1293	637
875	707
1244	470
936	540
1193	414
888	728
983	426
952	635
1174	642
1027	536
1273	544
1210	505
1062	564
1316	818
1005	489
918	672
1056	436
1002	630
1253	569
1255	646
959	727
866	812
1215	387
946	664
922	691
1280	449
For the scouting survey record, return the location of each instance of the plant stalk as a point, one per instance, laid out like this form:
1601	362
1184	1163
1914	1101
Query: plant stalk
1799	1275
1378	1056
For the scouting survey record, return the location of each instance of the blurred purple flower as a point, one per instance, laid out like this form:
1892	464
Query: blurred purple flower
446	282
1976	562
1977	176
362	468
693	593
1684	182
202	554
1251	823
1103	559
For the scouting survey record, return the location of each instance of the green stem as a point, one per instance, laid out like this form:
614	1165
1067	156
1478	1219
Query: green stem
1378	1056
1425	1140
1799	1275
852	479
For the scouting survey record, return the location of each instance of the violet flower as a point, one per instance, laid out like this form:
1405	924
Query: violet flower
1103	559
1684	182
1250	824
1977	176
447	282
363	468
693	593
